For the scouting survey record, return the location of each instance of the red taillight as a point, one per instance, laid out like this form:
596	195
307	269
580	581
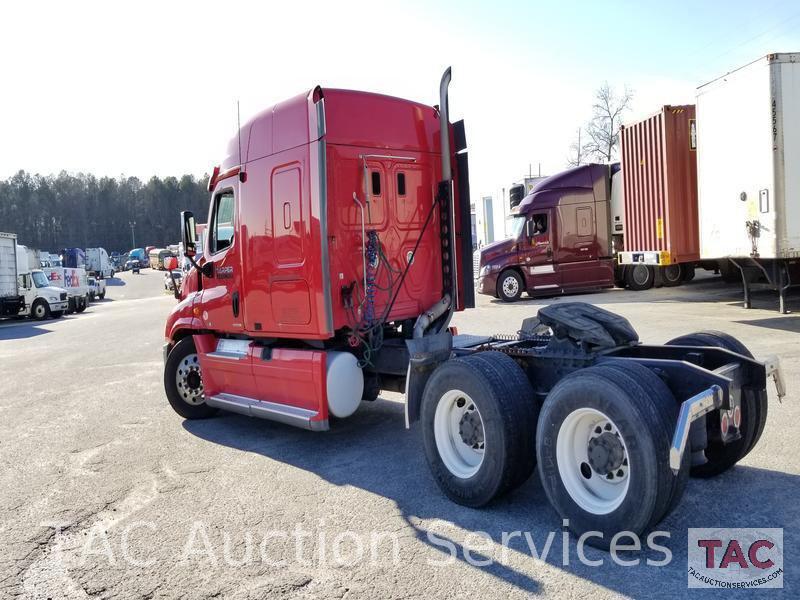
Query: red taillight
737	417
724	424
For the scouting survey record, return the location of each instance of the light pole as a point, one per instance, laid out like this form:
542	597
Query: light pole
133	237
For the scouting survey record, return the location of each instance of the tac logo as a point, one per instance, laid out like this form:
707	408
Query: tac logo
735	558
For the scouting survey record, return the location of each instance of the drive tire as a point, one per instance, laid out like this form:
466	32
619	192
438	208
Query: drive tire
40	310
722	457
672	275
597	402
510	286
474	475
639	277
56	314
184	399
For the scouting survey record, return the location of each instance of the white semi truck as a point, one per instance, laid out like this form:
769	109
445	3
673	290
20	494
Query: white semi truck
99	263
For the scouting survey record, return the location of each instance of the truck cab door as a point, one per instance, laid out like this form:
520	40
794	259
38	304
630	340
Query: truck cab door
221	296
537	252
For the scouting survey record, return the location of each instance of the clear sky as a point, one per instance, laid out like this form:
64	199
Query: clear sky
146	88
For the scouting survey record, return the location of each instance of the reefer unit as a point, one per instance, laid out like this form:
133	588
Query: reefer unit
659	171
749	161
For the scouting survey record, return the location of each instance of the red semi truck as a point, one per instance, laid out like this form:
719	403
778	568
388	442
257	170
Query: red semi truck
336	252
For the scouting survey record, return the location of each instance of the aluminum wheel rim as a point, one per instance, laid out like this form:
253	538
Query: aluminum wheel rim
641	274
461	459
189	380
510	286
596	494
38	311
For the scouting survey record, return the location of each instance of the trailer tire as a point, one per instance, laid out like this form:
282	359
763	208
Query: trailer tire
510	286
619	276
475	460
183	382
721	457
672	275
40	310
621	424
639	277
688	273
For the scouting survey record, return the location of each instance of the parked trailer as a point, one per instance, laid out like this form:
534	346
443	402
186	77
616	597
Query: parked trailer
11	301
749	171
345	285
75	282
659	241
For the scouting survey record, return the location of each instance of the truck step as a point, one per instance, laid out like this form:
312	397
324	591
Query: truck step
272	411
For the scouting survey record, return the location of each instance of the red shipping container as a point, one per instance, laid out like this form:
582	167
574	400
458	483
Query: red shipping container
659	171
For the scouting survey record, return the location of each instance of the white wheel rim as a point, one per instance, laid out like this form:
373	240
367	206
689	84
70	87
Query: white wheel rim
39	310
510	286
189	380
598	493
457	416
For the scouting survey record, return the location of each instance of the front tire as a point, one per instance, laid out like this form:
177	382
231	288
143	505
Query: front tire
40	310
510	286
478	424
81	304
183	382
602	445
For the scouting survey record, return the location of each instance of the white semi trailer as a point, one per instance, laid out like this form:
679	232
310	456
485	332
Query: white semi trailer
748	171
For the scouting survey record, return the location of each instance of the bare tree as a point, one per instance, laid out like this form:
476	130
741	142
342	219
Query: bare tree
603	129
577	151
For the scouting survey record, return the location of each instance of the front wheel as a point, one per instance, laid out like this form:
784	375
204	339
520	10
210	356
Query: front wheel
602	445
183	382
510	286
40	311
103	296
81	304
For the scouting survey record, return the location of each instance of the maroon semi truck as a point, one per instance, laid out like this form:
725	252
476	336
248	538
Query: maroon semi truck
632	224
337	251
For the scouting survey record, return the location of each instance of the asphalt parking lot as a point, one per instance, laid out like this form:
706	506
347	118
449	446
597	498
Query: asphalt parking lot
105	492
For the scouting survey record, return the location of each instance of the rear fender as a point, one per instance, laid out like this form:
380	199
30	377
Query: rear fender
425	354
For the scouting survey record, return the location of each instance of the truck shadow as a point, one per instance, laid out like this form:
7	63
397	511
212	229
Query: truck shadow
23	329
114	281
372	451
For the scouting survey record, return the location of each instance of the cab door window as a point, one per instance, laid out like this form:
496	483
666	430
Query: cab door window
222	222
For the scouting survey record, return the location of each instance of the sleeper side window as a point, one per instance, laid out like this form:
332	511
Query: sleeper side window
222	219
